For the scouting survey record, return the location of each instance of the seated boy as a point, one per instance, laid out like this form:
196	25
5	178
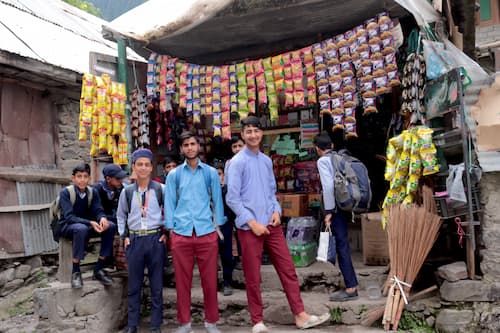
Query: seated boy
82	217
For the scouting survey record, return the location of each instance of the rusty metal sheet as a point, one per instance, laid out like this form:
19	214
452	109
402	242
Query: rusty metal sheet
41	146
16	104
36	224
11	233
16	152
9	193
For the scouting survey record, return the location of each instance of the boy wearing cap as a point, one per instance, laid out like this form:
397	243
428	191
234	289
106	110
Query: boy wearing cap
337	218
190	188
79	223
110	188
140	224
252	197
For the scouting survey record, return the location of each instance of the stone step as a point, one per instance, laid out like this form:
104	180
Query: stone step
317	277
233	309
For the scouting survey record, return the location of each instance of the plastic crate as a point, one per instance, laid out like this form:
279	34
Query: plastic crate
448	208
303	255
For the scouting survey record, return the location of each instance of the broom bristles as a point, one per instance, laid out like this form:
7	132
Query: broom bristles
412	231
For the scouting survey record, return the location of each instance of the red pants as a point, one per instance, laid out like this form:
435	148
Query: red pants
184	250
275	244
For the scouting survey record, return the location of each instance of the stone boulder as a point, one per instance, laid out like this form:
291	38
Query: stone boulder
34	262
468	291
22	271
11	286
93	308
453	272
454	321
6	276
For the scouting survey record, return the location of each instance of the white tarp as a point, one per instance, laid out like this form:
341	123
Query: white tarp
160	18
422	11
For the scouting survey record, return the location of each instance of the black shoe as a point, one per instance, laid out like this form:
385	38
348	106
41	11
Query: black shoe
155	330
341	296
131	330
102	276
76	280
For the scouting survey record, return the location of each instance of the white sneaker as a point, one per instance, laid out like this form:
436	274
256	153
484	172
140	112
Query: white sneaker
260	328
186	328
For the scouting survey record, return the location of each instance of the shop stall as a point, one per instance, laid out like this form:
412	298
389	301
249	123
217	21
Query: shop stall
370	86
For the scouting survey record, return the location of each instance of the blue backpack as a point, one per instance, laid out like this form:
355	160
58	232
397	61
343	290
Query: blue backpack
352	184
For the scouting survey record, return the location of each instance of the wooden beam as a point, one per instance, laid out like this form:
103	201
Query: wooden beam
24	208
282	131
34	175
40	68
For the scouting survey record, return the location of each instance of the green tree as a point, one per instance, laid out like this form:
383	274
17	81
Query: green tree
85	6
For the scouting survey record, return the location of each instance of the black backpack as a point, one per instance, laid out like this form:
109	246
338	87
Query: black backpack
55	210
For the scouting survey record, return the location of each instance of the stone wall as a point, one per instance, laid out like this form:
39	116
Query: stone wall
487	34
490	228
71	151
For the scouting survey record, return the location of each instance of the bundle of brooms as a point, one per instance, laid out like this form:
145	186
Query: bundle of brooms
412	231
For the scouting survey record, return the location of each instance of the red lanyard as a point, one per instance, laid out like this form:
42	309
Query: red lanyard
144	207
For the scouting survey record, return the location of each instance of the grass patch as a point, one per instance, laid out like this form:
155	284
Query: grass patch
336	315
411	323
21	307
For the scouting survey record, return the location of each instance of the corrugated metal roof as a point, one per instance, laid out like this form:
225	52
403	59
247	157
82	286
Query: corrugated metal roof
54	32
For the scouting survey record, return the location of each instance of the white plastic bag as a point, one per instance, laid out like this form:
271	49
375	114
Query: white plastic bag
455	184
324	243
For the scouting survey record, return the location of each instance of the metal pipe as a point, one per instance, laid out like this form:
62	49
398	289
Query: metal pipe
123	78
471	242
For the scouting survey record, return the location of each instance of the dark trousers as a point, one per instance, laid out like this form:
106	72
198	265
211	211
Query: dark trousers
145	251
339	229
80	234
226	253
275	244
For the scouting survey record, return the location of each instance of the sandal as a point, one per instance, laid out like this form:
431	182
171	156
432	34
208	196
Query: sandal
314	321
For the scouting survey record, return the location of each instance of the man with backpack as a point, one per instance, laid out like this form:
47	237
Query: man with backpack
336	217
193	225
82	216
140	225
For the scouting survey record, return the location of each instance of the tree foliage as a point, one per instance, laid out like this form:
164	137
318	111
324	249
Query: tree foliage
85	6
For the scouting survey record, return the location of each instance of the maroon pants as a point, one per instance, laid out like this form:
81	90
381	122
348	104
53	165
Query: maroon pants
184	251
275	244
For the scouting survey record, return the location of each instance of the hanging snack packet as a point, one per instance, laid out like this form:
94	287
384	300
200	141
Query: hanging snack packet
338	122
349	112
369	105
381	85
337	105
350	128
348	83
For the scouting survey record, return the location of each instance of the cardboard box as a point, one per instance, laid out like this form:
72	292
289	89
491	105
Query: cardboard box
375	244
314	199
293	205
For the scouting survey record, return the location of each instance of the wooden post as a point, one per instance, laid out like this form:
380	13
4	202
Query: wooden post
65	260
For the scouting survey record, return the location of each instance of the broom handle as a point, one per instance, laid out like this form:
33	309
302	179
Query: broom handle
395	305
399	312
379	311
388	308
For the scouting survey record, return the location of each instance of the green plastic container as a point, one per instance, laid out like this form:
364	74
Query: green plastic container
303	255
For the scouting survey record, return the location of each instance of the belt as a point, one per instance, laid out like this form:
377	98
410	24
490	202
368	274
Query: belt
144	232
